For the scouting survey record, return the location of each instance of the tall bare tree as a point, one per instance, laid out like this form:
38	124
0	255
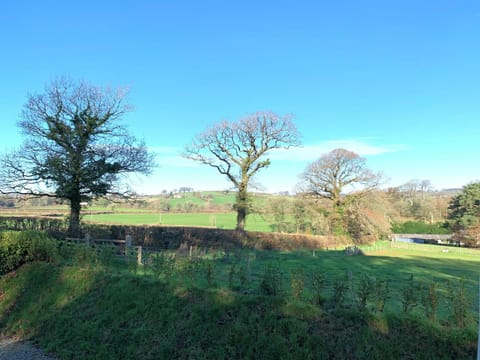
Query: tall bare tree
336	172
238	149
75	147
417	200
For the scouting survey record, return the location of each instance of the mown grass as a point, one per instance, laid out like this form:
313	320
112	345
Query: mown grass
82	308
219	220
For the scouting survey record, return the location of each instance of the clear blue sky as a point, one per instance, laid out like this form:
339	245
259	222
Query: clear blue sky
396	81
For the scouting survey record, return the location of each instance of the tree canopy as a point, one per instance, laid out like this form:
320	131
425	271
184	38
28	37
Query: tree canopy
75	147
339	170
464	208
237	150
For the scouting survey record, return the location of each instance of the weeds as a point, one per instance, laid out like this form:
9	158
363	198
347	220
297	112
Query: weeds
209	268
271	282
381	293
297	283
429	299
339	291
365	291
161	263
106	256
242	277
318	280
458	304
409	296
84	256
232	274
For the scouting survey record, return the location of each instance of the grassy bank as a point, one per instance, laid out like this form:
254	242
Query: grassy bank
246	304
81	313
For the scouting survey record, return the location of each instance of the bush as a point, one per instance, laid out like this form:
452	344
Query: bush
19	247
271	282
409	295
297	282
365	291
419	227
458	304
318	281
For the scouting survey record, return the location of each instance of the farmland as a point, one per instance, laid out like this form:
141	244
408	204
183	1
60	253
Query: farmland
217	220
209	304
205	209
205	298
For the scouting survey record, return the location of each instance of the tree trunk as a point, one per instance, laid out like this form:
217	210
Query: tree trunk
241	208
74	224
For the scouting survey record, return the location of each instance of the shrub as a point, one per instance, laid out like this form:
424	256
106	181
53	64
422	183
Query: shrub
318	281
162	263
458	304
271	282
409	296
381	293
84	256
429	297
19	247
339	292
232	271
297	282
420	227
365	291
209	269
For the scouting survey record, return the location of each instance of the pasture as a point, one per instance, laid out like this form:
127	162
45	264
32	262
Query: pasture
393	263
245	304
205	209
215	220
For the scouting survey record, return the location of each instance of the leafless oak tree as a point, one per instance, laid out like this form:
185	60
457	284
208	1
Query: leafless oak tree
238	149
74	147
337	171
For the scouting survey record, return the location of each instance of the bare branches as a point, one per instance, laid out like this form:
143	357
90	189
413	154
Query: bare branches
337	171
75	147
237	149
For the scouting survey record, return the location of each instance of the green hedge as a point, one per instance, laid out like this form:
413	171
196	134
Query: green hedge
419	227
19	247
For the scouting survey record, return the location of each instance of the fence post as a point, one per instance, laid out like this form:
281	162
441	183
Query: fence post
87	239
128	244
139	255
350	285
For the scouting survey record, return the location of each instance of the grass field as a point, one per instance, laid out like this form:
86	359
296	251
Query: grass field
200	308
395	264
219	220
214	209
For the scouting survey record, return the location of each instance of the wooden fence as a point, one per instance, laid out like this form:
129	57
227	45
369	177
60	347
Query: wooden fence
122	248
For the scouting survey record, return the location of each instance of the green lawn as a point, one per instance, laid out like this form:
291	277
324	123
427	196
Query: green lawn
219	220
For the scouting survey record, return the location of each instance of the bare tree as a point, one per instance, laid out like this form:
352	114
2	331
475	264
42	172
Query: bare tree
415	188
417	200
339	170
75	148
237	150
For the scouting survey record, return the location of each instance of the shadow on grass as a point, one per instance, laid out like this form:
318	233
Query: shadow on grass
87	314
395	270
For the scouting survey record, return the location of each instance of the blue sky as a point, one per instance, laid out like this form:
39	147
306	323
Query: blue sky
396	81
